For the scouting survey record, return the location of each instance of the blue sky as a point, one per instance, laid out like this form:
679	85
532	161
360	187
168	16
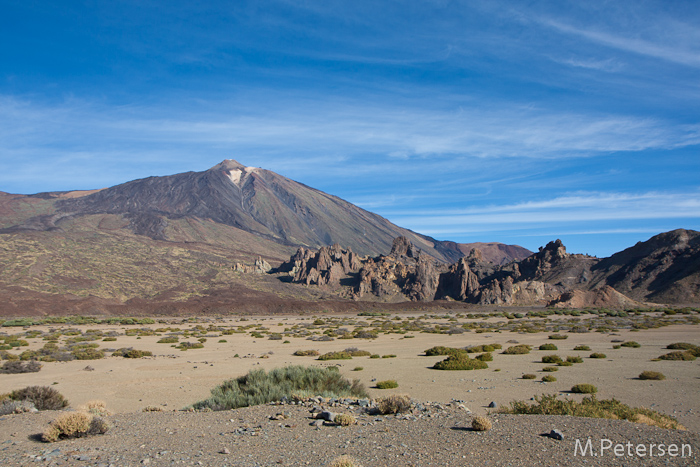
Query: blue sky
518	122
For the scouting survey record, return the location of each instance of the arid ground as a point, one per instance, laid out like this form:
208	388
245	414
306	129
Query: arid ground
173	379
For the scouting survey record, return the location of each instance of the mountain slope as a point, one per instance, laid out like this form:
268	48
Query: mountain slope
256	201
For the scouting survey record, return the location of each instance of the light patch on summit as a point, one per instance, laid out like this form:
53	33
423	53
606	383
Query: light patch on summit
237	175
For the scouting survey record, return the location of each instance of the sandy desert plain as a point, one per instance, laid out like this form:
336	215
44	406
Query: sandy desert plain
173	379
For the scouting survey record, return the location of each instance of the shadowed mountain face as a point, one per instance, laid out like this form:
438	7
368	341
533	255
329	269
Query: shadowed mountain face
256	201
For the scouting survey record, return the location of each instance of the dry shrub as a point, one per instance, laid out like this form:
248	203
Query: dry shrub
16	367
43	397
481	424
584	388
152	408
68	425
96	407
345	461
345	419
395	403
387	384
529	376
520	349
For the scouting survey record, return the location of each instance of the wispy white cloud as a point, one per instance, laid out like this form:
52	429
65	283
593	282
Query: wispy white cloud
577	208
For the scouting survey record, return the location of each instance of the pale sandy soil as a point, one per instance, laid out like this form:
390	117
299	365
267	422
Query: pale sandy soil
173	379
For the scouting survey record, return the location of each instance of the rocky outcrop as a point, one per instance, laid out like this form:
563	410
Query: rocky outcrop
325	267
550	276
259	267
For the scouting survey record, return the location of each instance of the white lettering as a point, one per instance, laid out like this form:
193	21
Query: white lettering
673	450
584	449
690	451
603	447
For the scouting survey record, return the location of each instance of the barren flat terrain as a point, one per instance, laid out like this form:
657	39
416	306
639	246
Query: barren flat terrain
173	379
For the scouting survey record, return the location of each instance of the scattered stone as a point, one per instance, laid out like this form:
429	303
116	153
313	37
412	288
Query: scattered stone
556	434
493	405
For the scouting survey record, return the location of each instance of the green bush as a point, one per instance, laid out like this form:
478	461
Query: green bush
597	355
653	375
593	408
483	348
517	350
387	384
551	359
529	376
582	347
485	357
548	347
355	352
335	356
584	388
550	369
260	387
678	355
460	362
168	340
549	379
574	359
631	344
681	346
442	350
558	337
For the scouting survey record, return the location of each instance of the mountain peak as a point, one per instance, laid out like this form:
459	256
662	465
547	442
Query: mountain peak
228	164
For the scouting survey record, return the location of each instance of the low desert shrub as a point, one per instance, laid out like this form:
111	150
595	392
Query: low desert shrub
597	355
335	356
653	375
631	344
485	357
355	352
395	403
43	397
584	388
128	352
681	346
549	378
387	384
74	425
442	350
345	419
260	387
391	355
517	350
549	404
684	355
548	347
345	461
97	408
168	340
582	347
358	368
617	346
481	424
189	345
550	369
307	353
558	337
551	359
483	348
529	376
375	355
152	408
574	359
460	362
16	367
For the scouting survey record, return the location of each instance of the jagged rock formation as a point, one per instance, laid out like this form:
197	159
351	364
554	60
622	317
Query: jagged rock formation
551	275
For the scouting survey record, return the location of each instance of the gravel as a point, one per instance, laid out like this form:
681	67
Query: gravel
287	435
